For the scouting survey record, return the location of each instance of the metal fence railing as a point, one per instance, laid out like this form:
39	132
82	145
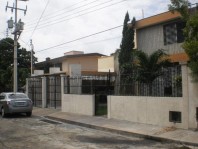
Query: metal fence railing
87	84
167	85
35	91
53	86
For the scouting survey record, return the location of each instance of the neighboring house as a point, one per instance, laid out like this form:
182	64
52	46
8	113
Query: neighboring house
106	64
87	62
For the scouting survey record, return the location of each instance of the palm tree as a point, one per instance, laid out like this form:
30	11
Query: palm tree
149	67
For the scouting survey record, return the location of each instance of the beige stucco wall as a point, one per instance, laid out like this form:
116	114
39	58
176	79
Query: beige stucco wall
155	110
105	64
78	104
88	63
147	110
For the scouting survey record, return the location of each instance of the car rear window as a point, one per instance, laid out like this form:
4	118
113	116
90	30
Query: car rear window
13	96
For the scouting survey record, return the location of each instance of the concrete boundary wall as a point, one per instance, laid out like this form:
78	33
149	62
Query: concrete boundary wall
153	110
147	110
78	104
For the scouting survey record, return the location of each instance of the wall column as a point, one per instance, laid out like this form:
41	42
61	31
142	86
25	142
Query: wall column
62	84
185	94
44	92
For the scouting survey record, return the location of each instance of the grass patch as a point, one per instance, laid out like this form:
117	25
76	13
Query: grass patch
101	110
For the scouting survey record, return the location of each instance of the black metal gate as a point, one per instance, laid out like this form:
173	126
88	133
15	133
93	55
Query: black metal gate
53	91
102	88
35	91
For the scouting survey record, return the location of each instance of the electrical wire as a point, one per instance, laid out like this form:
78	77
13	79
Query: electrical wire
79	38
77	15
58	15
45	21
40	18
35	19
87	43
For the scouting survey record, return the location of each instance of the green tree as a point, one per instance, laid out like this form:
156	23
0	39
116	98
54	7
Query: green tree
125	57
6	64
127	45
149	67
190	44
180	6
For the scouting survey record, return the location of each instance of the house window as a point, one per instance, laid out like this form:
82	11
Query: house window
173	33
175	116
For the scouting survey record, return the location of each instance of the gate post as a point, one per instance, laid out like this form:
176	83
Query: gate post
26	87
44	93
185	94
62	85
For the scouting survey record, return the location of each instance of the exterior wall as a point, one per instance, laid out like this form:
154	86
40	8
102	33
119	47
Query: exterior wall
54	70
78	104
38	72
147	110
151	39
105	64
87	63
193	101
75	70
155	110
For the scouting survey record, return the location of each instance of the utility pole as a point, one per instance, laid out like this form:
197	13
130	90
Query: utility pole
7	32
17	31
32	49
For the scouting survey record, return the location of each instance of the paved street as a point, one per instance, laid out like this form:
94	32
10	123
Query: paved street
20	132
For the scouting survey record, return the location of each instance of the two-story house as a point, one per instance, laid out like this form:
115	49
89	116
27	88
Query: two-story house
162	31
165	31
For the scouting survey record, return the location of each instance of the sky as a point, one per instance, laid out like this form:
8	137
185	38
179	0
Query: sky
91	26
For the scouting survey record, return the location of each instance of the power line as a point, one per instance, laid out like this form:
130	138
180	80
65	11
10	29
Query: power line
40	18
80	38
47	17
63	17
25	43
91	42
33	20
78	15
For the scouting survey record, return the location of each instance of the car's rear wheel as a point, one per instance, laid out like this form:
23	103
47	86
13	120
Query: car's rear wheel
3	112
29	114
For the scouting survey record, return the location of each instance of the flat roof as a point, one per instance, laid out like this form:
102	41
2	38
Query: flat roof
60	59
157	19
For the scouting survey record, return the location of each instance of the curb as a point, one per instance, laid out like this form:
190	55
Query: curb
122	132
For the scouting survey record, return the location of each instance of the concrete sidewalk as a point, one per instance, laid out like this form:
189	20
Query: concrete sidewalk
187	137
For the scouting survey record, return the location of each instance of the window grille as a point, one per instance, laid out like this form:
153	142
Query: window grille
173	32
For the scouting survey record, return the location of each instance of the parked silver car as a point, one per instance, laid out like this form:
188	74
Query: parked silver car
15	103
